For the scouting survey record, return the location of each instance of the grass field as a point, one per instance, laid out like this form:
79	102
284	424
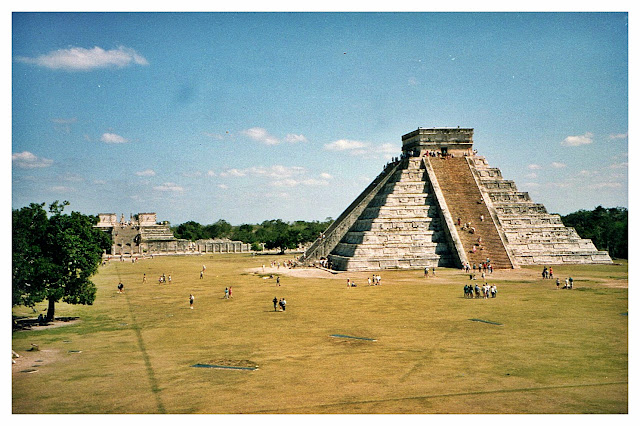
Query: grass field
554	351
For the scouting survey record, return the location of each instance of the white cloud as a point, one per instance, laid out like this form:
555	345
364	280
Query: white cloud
261	135
585	139
533	167
345	145
388	149
232	173
169	186
223	186
147	172
112	138
81	59
326	176
557	165
211	173
412	81
197	173
619	135
531	175
99	182
285	182
28	160
314	182
292	138
276	171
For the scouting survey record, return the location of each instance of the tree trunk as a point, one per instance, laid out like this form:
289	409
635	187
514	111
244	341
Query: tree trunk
51	310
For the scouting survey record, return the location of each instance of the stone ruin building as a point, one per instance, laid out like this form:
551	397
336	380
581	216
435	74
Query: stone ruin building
408	217
143	235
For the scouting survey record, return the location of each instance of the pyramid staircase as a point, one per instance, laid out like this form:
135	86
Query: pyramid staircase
465	202
399	228
532	235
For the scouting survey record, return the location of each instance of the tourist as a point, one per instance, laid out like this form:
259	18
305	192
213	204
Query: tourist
570	283
169	278
226	292
191	298
566	283
144	278
426	272
433	270
348	282
557	283
368	281
120	287
201	274
278	281
481	218
477	289
275	304
494	291
230	293
284	304
551	273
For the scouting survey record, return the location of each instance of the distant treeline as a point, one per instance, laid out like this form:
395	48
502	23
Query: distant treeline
272	233
606	227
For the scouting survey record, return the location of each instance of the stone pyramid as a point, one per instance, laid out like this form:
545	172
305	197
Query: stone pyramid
440	204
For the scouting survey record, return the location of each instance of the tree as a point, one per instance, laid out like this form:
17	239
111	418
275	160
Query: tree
607	228
190	230
54	257
282	237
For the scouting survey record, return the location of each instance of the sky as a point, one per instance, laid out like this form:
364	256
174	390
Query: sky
249	117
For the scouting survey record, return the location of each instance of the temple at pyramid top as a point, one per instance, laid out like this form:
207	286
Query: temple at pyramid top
446	140
440	204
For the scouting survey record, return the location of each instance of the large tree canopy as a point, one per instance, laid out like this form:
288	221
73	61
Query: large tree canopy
54	256
608	228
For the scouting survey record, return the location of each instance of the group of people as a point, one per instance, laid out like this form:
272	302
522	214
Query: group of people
477	292
282	303
547	273
161	279
568	283
426	271
228	292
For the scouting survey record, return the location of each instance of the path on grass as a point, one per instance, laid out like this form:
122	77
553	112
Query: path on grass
155	389
314	408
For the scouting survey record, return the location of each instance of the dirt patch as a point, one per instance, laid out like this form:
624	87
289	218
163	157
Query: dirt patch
33	361
293	272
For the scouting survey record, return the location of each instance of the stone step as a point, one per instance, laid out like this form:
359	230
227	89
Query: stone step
343	263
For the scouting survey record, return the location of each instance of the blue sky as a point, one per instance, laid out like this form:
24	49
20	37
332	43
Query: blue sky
255	116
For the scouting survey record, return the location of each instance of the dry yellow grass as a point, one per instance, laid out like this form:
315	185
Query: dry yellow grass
557	351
